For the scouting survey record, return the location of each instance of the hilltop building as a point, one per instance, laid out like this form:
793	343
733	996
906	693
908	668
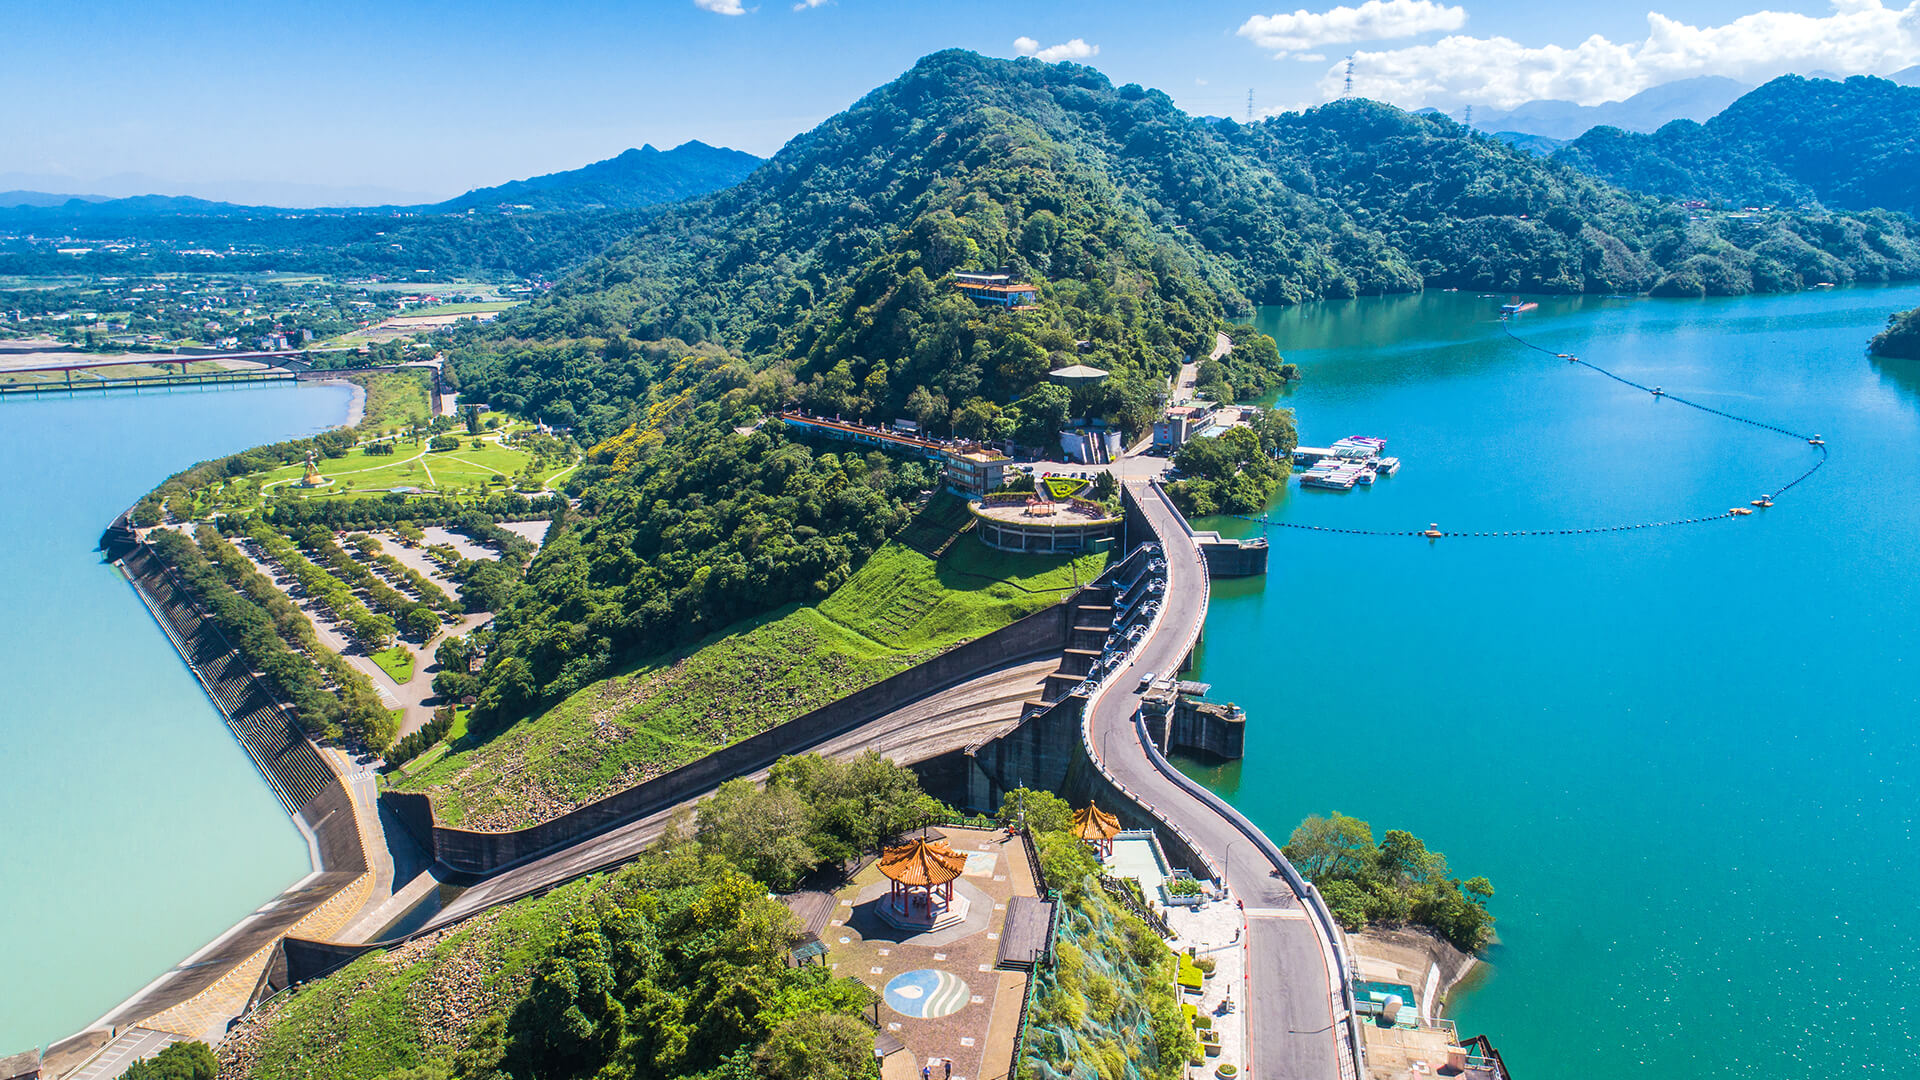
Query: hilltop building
969	468
974	471
996	290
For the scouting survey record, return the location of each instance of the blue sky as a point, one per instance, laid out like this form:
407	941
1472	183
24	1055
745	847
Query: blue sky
433	98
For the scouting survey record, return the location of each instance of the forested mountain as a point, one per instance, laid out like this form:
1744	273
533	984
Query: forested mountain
823	279
528	228
637	178
1143	226
1690	99
1848	145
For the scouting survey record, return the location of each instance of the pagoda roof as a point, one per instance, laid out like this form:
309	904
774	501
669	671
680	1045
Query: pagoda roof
922	862
1092	823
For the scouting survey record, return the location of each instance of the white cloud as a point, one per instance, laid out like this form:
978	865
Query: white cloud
805	4
1066	50
1311	57
721	7
1859	36
1375	20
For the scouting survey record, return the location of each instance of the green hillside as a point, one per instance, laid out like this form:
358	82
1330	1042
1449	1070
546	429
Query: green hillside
823	280
899	609
1848	145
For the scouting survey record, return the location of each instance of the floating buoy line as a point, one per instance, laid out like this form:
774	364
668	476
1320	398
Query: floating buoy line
1434	532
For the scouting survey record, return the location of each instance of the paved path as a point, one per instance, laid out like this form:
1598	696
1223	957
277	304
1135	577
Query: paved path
1292	997
953	719
134	1044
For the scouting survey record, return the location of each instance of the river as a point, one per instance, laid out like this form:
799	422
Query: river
1685	757
135	828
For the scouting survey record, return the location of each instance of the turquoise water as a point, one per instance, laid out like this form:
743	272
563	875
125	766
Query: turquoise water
1685	757
135	828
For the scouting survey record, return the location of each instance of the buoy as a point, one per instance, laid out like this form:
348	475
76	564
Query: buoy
1433	531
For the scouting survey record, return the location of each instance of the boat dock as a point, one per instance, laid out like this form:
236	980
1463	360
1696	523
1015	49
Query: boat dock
1354	460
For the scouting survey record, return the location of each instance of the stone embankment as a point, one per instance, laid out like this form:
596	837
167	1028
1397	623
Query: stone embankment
196	998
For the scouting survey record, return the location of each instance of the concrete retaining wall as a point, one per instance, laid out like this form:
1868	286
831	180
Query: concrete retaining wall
1042	633
1205	728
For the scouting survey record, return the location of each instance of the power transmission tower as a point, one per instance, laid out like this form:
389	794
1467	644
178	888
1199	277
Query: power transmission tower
1249	104
1469	120
1349	90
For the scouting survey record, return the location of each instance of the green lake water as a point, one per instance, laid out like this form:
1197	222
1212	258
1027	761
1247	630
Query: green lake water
133	828
1685	757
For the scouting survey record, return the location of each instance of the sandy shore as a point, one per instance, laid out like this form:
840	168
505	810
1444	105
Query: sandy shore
357	407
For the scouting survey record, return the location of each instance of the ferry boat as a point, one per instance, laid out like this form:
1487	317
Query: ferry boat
1516	305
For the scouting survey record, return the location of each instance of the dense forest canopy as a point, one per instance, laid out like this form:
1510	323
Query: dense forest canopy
1142	226
824	280
1853	145
1901	338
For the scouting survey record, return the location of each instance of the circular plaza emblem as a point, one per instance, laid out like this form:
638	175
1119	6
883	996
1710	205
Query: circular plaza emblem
926	994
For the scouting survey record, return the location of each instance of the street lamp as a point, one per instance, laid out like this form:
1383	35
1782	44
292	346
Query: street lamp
1226	861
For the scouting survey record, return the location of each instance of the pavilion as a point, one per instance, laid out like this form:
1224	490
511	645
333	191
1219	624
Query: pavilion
1096	827
922	898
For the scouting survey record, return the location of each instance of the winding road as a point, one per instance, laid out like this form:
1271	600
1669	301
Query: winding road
1296	1014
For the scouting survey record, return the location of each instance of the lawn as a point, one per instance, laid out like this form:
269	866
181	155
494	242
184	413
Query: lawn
397	662
411	465
394	398
898	610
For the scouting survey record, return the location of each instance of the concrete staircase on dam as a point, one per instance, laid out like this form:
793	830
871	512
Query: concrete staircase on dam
1089	620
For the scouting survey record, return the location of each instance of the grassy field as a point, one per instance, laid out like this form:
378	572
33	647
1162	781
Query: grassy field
394	398
411	465
396	661
899	609
399	1006
460	309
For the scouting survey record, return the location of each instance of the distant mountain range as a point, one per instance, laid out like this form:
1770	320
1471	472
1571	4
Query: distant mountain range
1851	145
635	179
1649	110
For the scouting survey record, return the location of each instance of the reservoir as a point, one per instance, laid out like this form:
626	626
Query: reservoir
1687	758
136	830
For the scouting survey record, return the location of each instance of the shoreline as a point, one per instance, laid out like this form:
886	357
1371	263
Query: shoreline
356	406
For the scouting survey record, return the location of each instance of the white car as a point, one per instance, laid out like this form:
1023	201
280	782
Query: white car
1146	681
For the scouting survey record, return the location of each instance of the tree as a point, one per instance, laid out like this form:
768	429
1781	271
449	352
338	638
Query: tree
1041	811
420	622
817	1046
1330	847
442	443
760	830
179	1061
571	1019
927	409
977	420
